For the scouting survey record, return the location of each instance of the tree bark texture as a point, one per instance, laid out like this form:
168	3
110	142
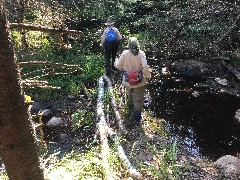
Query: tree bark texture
17	144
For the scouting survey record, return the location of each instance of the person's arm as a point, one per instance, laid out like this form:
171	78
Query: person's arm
119	36
145	68
103	37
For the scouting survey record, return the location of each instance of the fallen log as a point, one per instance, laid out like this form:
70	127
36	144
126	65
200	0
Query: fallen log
43	29
51	73
122	128
103	129
46	63
37	83
235	72
131	169
56	31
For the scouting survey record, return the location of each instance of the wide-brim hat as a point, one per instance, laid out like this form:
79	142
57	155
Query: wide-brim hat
109	22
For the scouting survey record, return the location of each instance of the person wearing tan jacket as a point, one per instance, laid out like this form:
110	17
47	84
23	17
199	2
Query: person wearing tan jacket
134	60
110	39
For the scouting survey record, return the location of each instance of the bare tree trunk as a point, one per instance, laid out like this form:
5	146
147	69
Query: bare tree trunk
17	144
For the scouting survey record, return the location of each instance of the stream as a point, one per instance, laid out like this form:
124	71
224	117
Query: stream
200	117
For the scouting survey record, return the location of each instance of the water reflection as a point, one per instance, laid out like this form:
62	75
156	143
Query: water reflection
202	120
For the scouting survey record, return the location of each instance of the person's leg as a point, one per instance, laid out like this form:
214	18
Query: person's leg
108	58
130	97
114	54
138	99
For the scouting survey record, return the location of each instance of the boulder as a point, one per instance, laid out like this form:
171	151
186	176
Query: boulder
230	166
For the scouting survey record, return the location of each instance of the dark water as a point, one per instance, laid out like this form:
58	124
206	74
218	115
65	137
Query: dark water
201	118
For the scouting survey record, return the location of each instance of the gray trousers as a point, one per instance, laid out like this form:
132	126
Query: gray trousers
136	97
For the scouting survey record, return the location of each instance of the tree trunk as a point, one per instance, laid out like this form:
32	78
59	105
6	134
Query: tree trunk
17	144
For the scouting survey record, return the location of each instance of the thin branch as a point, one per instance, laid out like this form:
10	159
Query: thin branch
43	71
43	29
44	87
48	74
37	83
27	81
46	63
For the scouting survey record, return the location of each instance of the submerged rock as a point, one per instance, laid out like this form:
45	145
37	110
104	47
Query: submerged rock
222	82
237	115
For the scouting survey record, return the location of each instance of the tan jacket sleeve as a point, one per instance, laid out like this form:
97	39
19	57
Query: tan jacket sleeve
119	62
103	36
145	68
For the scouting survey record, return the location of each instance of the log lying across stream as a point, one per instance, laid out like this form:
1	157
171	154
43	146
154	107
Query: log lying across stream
114	106
105	131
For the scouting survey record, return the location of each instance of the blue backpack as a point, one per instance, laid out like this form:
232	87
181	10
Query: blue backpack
111	36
